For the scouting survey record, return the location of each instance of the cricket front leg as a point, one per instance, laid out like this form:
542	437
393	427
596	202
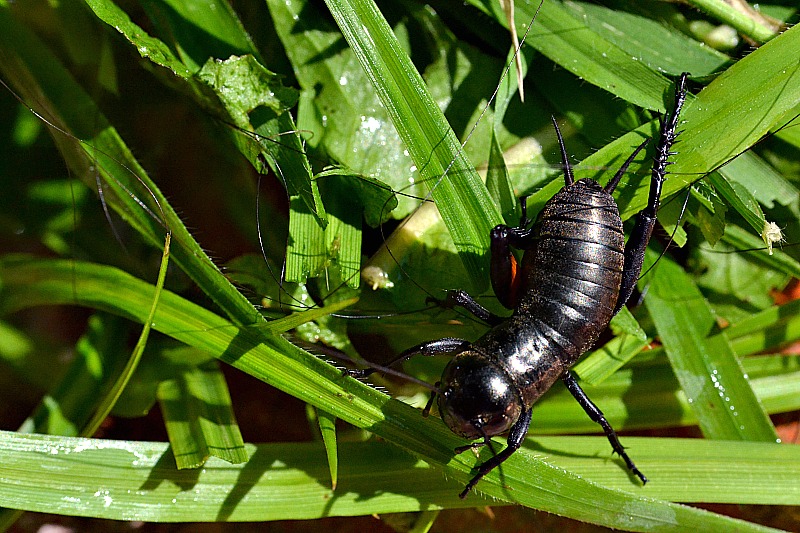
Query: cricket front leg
515	437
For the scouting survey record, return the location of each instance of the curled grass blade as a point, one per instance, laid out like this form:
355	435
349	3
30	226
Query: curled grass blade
108	401
727	13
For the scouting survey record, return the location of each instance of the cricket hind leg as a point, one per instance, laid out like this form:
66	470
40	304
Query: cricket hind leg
646	219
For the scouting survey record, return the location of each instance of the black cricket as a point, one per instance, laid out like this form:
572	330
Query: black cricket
576	274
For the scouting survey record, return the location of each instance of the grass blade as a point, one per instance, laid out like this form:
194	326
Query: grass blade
127	480
277	362
707	368
199	417
461	198
109	399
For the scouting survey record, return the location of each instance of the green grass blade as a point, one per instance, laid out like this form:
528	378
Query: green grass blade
190	30
424	522
312	245
716	126
461	197
148	46
282	325
327	429
254	99
499	186
569	42
109	399
99	358
127	480
728	14
640	32
768	186
338	106
706	367
307	251
753	246
649	396
740	198
776	326
460	64
198	414
723	467
240	84
609	358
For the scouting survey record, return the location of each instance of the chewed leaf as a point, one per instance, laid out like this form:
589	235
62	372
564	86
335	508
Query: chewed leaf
338	106
375	198
243	84
256	100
